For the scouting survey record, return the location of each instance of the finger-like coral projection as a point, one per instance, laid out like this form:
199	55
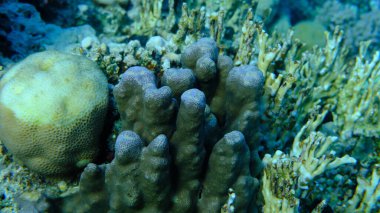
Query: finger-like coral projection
143	107
188	135
52	109
183	149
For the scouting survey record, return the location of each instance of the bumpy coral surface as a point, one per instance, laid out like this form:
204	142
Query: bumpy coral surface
52	108
190	135
185	143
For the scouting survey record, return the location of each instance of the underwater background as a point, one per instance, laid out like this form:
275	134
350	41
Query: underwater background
189	106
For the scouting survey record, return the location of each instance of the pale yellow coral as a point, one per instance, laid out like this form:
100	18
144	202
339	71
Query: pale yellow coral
357	111
367	194
285	173
52	109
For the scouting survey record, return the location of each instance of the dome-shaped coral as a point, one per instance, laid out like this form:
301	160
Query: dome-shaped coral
52	108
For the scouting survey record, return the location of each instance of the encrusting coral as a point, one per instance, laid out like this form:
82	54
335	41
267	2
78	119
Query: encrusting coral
52	109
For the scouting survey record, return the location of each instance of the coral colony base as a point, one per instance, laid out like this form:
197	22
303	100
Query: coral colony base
190	106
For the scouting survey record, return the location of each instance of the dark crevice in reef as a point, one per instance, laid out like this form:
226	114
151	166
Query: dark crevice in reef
60	12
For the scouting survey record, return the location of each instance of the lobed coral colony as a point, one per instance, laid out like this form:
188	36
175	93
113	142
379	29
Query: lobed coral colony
190	106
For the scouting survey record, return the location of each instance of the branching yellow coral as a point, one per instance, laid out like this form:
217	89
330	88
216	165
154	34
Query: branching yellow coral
367	195
150	14
286	173
279	184
357	112
190	26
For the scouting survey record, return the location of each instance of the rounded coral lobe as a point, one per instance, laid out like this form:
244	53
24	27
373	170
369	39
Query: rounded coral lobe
52	109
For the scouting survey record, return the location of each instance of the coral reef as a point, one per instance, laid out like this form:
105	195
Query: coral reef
287	178
58	12
186	143
215	76
310	33
357	113
51	132
367	194
22	30
300	10
359	25
197	114
147	177
24	191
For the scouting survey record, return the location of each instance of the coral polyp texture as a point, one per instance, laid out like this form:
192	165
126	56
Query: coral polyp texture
178	153
215	106
52	109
